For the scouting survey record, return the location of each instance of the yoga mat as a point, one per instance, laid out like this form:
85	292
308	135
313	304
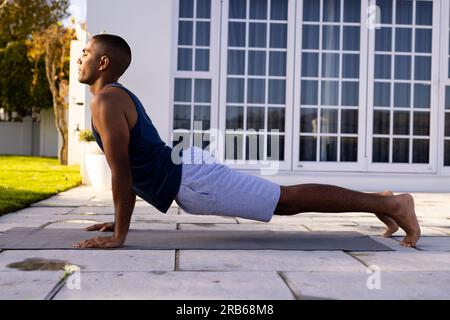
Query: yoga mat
44	239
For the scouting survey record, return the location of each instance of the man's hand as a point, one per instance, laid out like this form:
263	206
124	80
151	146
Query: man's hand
100	242
102	227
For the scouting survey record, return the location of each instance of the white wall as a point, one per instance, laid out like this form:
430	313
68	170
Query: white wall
147	27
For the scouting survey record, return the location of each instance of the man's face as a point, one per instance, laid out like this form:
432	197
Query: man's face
88	70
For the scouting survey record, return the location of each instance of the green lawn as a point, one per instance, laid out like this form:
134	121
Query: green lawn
24	180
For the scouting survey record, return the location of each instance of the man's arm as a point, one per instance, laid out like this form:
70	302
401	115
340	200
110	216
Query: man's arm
111	123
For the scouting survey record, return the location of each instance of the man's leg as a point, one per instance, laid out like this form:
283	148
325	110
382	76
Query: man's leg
325	198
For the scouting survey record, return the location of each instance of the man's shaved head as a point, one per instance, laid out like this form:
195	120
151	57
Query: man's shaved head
116	49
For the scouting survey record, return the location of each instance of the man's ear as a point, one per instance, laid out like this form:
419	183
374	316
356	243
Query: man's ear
104	63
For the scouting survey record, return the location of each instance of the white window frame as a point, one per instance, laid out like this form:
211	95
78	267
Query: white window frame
253	164
335	166
430	167
212	74
444	82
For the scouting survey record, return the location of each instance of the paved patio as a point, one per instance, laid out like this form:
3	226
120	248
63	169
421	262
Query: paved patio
405	273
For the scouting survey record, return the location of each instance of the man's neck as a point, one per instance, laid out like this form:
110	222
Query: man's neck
100	84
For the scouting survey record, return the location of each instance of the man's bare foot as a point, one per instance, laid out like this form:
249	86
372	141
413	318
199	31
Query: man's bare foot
405	217
390	223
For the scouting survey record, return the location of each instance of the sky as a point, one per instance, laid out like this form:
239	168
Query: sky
78	10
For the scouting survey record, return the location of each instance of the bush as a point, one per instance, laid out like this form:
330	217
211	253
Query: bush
86	136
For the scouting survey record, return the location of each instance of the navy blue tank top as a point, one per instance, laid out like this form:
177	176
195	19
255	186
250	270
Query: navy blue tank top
156	178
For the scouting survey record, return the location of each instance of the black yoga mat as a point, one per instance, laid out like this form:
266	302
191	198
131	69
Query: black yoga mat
45	239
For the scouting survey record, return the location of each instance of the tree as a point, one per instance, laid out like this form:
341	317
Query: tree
19	18
54	45
15	82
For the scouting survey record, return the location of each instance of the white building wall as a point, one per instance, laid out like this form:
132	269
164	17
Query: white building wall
147	26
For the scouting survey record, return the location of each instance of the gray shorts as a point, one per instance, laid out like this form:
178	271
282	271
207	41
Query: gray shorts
211	188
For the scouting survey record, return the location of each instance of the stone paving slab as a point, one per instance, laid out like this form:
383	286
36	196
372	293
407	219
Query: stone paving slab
179	286
97	260
353	285
401	261
267	260
22	285
162	218
241	227
393	243
434	244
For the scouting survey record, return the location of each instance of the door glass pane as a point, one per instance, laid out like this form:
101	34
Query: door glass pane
382	94
202	114
385	10
330	40
308	148
257	36
402	67
349	121
183	89
329	121
328	149
330	65
235	118
278	9
423	40
310	37
256	91
400	150
424	13
235	90
422	68
311	10
236	34
421	151
401	122
236	62
184	59
255	118
182	117
275	147
276	119
352	10
202	90
309	93
308	120
421	123
380	150
330	93
277	64
258	9
331	10
350	94
201	60
257	63
204	9
422	98
402	95
185	33
310	64
278	35
382	66
238	9
404	11
403	39
277	92
383	39
350	66
234	144
447	153
186	8
254	147
351	38
381	124
202	33
349	149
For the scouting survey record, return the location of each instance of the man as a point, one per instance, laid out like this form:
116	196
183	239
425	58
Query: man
142	164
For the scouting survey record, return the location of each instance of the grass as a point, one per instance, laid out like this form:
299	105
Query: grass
25	180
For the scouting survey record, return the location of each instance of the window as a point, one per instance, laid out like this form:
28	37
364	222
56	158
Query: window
329	81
